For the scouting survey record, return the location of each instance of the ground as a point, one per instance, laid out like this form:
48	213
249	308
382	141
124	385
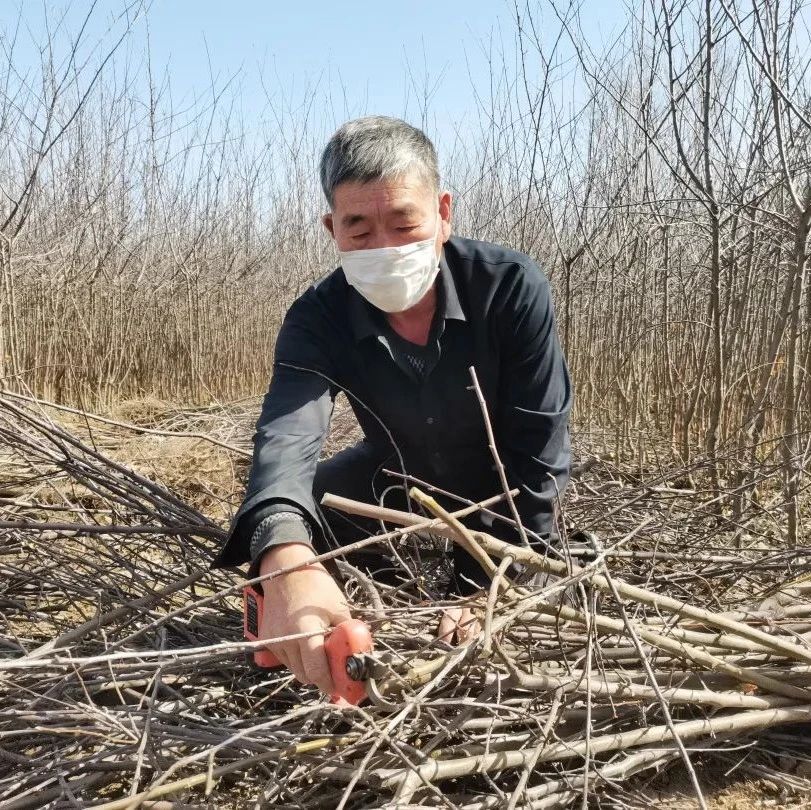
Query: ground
209	477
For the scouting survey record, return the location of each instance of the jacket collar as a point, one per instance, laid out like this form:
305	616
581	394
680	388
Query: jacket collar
365	318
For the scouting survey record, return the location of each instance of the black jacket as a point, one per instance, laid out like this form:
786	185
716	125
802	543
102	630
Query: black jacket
496	314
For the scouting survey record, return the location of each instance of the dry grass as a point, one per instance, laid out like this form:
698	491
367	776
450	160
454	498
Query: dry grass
715	563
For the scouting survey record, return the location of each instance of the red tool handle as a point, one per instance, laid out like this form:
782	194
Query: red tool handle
350	637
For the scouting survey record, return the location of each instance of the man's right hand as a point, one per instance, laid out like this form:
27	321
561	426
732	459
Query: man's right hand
302	601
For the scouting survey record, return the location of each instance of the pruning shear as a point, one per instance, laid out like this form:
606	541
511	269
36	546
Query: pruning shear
348	648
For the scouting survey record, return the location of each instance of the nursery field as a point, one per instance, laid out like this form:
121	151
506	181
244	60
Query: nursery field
152	240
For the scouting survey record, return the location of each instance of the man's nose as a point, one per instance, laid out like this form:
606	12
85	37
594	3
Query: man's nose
390	237
374	244
381	238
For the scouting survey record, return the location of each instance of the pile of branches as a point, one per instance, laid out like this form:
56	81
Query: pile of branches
663	635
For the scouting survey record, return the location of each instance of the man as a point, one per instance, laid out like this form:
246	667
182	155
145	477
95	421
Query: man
397	326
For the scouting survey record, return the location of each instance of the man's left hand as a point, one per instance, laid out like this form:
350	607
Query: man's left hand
458	625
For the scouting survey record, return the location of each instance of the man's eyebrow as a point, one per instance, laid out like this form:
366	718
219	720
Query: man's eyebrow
352	219
402	212
405	211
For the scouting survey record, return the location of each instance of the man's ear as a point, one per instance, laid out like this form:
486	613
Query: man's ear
445	208
328	224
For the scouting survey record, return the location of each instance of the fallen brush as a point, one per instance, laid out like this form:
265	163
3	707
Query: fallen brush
124	681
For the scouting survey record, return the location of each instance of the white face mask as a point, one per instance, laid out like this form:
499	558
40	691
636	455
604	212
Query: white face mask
393	278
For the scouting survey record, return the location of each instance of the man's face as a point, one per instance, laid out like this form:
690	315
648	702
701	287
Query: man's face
387	213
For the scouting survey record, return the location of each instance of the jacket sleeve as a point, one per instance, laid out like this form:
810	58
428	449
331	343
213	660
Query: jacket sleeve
289	432
535	398
530	413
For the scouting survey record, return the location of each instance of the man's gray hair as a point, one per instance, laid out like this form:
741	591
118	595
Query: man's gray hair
376	148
